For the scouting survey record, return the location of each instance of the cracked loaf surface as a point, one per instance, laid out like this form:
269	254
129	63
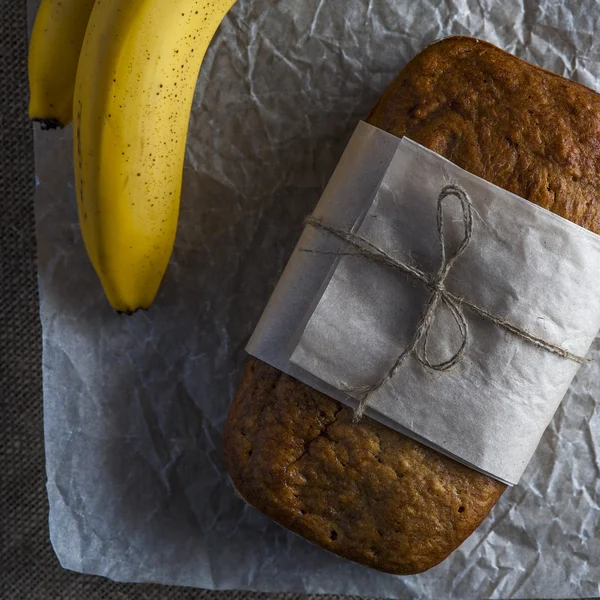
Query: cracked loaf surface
362	490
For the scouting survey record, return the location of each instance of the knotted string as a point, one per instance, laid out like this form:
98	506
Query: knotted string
439	295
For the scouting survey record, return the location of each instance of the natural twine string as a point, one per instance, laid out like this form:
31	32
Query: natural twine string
439	295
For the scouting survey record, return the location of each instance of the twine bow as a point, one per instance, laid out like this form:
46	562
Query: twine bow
439	295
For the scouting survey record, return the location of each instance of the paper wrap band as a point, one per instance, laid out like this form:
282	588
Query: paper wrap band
342	323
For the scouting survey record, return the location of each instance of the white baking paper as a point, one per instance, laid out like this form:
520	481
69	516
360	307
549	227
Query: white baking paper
134	407
524	264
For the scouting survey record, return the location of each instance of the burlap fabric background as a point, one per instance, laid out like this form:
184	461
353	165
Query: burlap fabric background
29	569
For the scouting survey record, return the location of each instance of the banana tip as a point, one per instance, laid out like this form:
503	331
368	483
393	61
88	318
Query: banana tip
130	313
49	124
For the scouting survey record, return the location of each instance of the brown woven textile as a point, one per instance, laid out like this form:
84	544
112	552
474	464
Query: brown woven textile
30	570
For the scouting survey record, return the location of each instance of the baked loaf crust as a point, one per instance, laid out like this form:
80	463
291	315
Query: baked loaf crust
362	490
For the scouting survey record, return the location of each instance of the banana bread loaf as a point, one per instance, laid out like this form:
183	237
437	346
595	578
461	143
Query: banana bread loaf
362	490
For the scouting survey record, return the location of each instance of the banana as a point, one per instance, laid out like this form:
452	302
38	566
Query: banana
54	48
133	95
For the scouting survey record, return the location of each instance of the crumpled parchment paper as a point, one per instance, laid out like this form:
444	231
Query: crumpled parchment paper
135	407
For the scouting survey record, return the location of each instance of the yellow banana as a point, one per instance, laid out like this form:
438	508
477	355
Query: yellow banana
56	40
133	95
